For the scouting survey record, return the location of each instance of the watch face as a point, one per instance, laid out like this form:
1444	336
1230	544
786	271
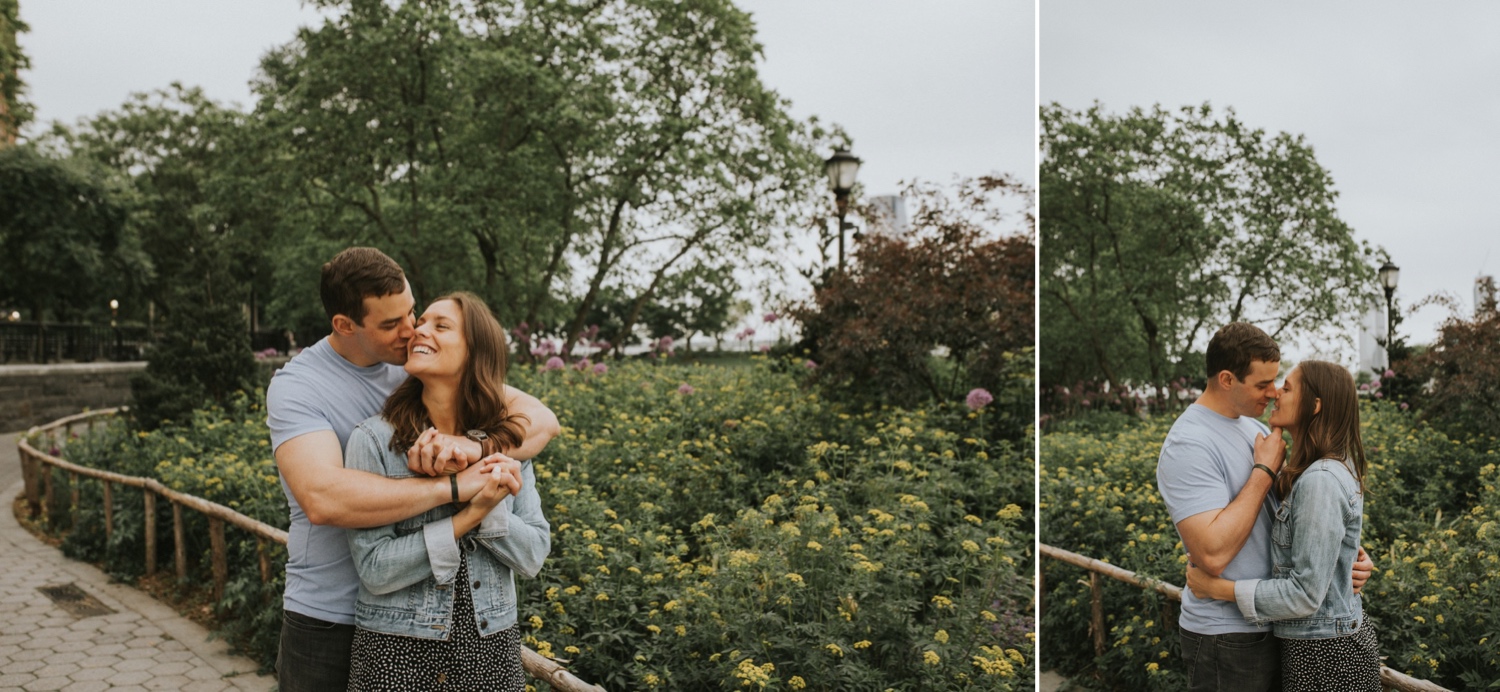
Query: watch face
477	435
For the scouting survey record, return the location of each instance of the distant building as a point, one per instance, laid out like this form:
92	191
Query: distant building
1372	334
1484	295
888	216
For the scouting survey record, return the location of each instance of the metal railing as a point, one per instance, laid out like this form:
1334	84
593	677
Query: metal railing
1391	679
40	499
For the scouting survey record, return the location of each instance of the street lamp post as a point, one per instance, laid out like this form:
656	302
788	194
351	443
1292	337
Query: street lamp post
841	169
1389	275
114	313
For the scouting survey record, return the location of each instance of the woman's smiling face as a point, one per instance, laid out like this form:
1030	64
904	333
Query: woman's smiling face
438	348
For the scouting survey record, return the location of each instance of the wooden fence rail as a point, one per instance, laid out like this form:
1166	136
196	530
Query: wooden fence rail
39	498
1391	679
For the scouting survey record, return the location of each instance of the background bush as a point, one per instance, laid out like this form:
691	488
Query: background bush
1429	526
714	528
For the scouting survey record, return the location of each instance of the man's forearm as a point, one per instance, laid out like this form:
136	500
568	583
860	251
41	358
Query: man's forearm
368	499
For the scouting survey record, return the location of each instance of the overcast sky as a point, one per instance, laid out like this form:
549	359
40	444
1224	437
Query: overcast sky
933	93
1398	101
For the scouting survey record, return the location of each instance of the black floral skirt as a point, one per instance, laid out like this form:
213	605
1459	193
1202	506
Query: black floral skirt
466	661
1350	662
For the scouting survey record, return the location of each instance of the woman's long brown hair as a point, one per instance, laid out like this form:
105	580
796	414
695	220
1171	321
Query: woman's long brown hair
1331	433
481	388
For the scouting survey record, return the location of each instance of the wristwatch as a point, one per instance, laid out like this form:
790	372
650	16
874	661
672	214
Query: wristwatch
483	438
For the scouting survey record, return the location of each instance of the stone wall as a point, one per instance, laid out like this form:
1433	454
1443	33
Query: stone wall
35	394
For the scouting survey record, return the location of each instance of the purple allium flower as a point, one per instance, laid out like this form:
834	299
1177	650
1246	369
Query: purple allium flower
811	365
685	389
978	398
1379	395
1085	403
1390	373
553	363
771	317
600	369
1405	406
765	348
583	365
1364	388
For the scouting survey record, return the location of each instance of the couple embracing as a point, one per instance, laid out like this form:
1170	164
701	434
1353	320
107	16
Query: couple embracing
402	454
1275	565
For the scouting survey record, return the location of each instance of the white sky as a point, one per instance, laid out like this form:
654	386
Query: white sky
1397	100
930	94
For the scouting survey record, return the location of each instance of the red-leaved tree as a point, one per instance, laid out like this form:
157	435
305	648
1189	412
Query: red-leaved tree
938	311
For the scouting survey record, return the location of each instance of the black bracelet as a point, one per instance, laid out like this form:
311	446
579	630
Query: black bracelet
1262	467
453	483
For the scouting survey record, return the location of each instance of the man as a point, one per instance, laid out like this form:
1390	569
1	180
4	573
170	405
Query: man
1215	473
313	404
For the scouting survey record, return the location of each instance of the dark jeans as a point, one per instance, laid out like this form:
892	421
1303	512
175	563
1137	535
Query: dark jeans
1237	662
314	654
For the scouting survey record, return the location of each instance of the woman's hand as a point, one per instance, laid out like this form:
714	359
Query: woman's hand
1206	586
502	477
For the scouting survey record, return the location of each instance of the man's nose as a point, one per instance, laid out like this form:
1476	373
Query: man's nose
408	327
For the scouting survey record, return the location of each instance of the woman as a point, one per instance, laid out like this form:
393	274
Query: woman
437	599
1326	644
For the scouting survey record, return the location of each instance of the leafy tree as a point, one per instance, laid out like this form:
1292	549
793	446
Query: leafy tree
203	357
63	236
700	300
14	111
954	284
190	166
540	151
1162	225
1463	371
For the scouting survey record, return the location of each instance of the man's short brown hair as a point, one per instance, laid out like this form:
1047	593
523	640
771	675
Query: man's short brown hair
1235	345
355	274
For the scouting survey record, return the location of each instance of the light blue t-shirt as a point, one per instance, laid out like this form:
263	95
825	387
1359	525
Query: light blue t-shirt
1205	461
319	390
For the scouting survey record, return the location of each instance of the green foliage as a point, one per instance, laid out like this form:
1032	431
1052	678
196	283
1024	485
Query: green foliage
203	357
699	536
1463	368
63	240
15	112
1162	225
954	284
1425	491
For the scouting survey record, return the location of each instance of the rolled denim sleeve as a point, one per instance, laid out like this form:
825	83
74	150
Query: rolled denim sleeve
385	560
1318	515
525	545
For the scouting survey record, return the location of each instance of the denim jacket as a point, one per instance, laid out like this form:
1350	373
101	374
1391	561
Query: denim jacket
1313	546
407	570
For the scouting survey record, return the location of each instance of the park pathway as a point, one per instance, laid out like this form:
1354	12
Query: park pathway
139	644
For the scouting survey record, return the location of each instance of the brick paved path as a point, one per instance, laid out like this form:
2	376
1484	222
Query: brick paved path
142	645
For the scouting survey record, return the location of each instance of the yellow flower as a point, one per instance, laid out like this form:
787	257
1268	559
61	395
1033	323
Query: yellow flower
862	644
835	650
941	636
536	622
796	683
931	658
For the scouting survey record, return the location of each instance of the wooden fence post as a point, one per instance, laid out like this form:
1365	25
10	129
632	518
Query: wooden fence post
177	537
29	466
221	560
150	531
47	492
109	512
1096	621
265	560
73	497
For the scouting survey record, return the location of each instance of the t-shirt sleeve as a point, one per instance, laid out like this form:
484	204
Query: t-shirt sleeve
1189	481
292	410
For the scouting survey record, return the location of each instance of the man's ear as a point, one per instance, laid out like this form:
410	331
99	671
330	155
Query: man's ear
343	325
1225	379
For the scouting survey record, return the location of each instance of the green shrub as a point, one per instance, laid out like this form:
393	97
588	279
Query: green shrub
743	531
1429	498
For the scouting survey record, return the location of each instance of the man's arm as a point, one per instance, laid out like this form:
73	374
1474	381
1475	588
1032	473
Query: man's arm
435	453
313	466
1214	537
